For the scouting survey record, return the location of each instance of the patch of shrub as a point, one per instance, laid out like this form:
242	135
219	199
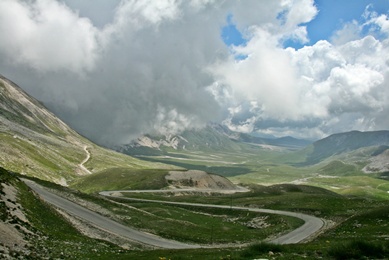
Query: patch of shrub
357	249
262	248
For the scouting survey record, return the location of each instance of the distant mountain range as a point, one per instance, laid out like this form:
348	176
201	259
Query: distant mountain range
214	137
370	148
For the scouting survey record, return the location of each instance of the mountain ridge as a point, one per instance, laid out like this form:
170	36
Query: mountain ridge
346	142
213	137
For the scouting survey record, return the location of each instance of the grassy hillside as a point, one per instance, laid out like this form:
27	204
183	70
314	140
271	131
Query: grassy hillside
328	163
356	226
36	143
120	179
343	173
42	233
346	142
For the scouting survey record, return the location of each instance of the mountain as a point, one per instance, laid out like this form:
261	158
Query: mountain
213	137
286	141
35	142
210	138
352	144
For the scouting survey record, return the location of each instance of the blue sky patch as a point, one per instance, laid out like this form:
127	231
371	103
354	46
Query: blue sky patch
332	16
231	35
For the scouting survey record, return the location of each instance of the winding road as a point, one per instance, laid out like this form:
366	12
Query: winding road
105	223
311	226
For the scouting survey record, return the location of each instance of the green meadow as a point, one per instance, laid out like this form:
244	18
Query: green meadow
355	225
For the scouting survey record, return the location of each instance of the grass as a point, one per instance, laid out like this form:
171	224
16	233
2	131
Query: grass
226	171
262	248
191	224
51	235
359	214
359	249
207	225
345	183
370	223
121	178
338	168
360	185
298	198
340	173
23	156
356	218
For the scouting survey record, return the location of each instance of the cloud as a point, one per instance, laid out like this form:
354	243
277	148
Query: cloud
324	87
297	14
171	122
349	32
162	66
375	21
150	63
100	12
258	77
142	13
47	36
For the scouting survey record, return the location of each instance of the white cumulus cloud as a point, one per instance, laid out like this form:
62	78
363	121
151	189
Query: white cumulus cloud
324	87
47	35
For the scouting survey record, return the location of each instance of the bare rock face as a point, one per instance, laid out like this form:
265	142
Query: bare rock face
199	180
168	141
13	232
379	163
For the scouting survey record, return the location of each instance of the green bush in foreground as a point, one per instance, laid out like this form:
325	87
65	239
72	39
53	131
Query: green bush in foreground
358	249
262	248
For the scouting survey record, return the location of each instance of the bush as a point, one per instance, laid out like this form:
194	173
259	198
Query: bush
262	248
357	250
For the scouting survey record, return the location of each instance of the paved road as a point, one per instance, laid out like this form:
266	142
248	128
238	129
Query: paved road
238	189
311	226
104	222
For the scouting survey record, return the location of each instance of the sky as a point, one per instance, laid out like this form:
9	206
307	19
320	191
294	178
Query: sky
114	70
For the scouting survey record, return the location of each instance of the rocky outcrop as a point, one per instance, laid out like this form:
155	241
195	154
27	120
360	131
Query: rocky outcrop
379	163
199	180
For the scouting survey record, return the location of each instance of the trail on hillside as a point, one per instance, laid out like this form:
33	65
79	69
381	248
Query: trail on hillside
81	165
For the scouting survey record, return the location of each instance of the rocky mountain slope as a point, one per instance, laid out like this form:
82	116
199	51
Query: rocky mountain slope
379	162
35	142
